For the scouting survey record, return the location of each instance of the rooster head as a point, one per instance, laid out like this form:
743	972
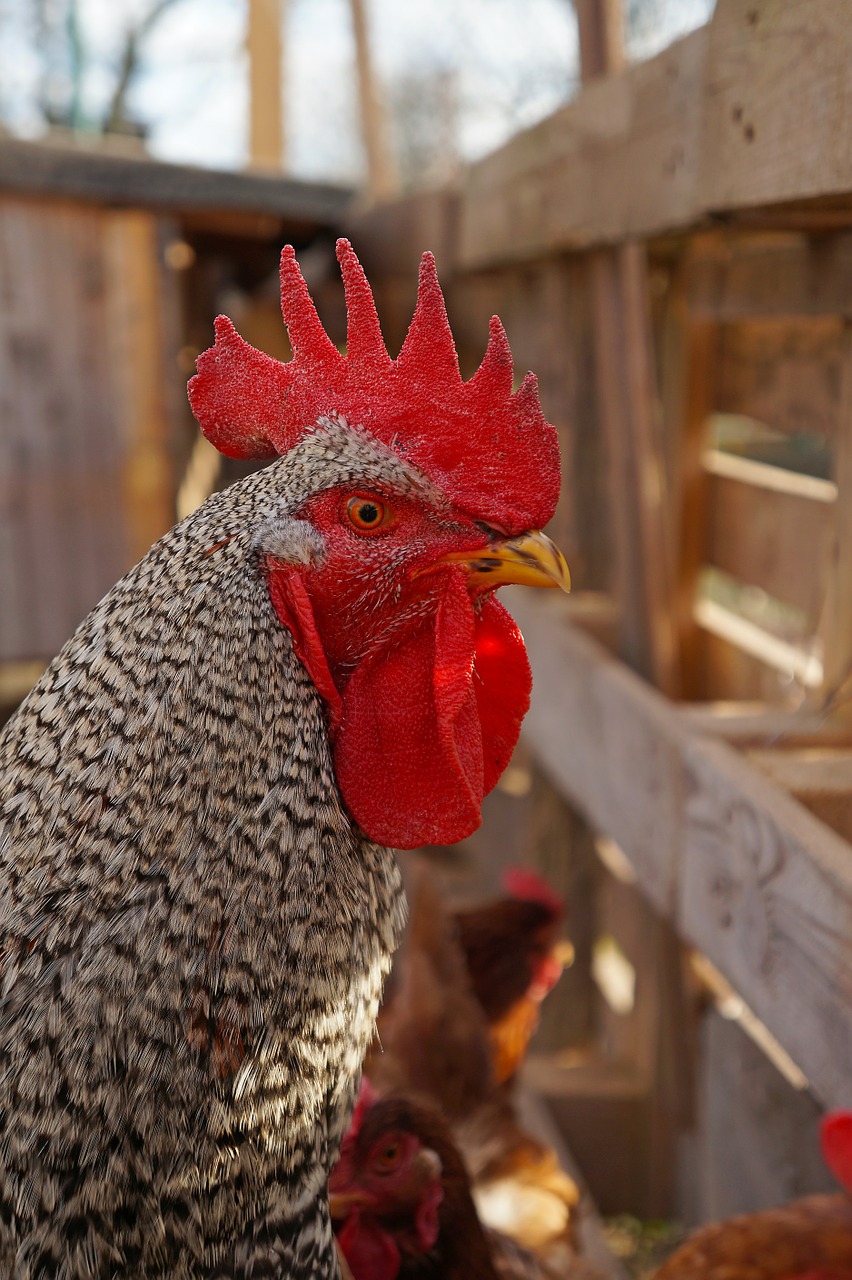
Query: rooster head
410	496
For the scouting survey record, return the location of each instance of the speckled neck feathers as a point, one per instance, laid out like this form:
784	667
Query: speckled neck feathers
193	935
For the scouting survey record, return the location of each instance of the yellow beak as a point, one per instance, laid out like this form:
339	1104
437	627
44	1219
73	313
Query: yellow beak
531	560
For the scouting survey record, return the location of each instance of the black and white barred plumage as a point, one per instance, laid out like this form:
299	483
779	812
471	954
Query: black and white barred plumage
193	933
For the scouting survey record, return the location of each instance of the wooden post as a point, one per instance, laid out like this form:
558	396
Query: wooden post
264	41
837	624
629	413
381	184
688	364
601	27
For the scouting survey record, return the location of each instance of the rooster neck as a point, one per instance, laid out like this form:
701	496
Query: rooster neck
193	934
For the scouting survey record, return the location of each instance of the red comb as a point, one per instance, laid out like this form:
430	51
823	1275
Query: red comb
528	886
836	1140
489	448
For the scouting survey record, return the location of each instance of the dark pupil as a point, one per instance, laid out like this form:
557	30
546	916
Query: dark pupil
368	513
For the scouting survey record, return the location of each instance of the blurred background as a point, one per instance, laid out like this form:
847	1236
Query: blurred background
454	78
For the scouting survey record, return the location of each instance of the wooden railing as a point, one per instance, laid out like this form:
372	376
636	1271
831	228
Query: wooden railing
672	253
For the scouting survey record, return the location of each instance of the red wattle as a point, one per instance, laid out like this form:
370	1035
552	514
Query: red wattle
371	1252
426	725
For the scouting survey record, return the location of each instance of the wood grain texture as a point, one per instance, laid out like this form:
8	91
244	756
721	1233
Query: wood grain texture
264	45
777	540
747	112
85	419
785	373
757	1142
777	95
616	162
744	276
744	872
54	171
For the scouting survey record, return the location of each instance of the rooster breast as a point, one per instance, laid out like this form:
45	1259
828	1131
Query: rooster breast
193	934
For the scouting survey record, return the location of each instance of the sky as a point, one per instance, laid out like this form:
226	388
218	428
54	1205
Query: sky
500	64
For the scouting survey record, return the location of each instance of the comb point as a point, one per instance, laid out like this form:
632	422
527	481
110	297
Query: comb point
364	341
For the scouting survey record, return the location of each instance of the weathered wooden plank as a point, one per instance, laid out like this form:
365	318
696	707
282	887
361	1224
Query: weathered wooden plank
619	161
42	168
136	301
736	277
785	373
746	113
639	514
766	893
745	872
778	97
689	349
820	777
836	628
592	725
264	44
730	671
759	724
758	1137
771	528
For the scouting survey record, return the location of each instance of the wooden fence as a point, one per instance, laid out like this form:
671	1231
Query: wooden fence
672	253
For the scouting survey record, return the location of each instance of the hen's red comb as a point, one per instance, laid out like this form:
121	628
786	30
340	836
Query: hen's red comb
528	886
489	448
836	1139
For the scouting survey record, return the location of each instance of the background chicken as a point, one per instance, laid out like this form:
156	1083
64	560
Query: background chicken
434	1038
198	906
403	1206
810	1239
514	955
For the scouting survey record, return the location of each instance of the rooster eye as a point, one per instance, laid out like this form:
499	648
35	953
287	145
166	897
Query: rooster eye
365	515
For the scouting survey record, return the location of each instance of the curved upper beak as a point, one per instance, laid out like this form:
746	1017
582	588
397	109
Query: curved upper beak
531	560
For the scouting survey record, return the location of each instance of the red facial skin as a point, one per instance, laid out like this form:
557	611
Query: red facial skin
415	1202
426	678
367	590
393	1192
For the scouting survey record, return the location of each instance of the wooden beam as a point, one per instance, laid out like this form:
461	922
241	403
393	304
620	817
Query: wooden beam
381	183
266	89
627	408
96	177
742	870
836	626
784	372
771	528
772	274
743	114
688	369
601	28
138	297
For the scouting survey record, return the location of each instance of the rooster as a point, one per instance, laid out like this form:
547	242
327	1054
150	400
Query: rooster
809	1239
199	798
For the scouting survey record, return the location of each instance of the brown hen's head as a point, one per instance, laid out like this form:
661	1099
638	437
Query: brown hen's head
400	1194
408	497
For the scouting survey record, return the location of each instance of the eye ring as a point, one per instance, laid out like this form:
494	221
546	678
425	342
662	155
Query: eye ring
389	1156
366	513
